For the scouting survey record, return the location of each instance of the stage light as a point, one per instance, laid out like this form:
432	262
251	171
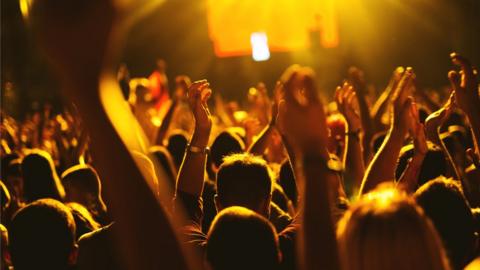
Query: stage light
260	51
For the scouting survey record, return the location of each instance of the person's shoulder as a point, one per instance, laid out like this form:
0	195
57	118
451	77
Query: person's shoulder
96	236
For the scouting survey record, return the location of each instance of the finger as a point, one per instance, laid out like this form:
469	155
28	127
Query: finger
400	89
454	79
338	94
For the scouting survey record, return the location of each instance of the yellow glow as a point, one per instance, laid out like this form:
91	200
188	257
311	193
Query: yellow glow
25	8
287	23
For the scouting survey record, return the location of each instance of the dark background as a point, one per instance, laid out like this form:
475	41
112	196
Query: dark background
417	33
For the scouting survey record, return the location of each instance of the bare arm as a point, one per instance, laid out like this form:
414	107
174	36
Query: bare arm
191	173
382	104
345	98
382	167
145	236
356	78
303	125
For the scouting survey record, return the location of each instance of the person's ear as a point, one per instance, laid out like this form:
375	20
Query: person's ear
72	257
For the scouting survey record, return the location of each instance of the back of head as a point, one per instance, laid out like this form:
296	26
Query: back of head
433	165
40	179
244	180
83	179
177	143
444	203
42	236
165	160
242	239
225	143
387	230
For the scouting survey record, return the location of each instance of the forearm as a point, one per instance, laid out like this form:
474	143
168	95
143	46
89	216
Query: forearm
191	173
409	179
259	146
354	164
380	107
131	201
382	167
318	234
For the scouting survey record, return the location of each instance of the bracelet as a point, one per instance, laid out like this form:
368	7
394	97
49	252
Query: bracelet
198	150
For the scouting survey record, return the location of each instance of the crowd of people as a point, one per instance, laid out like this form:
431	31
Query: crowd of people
285	179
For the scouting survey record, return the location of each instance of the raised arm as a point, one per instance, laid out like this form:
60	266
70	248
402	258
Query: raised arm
191	173
356	78
409	179
144	233
260	144
382	166
433	124
302	122
345	98
467	97
384	101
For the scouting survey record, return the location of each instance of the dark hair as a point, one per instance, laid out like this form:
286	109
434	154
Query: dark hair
164	159
225	143
85	180
242	239
42	236
243	179
177	143
434	164
444	203
40	178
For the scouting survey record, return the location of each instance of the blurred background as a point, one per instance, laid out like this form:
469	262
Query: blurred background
235	44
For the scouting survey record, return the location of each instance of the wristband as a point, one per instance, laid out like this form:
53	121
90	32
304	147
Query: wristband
198	150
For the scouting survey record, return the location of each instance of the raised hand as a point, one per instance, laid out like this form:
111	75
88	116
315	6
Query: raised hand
301	118
401	103
198	95
467	97
347	104
417	132
465	85
436	119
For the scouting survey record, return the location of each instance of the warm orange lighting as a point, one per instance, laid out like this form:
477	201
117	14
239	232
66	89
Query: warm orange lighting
288	24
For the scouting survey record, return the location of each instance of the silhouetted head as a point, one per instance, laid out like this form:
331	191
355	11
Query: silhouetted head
83	186
434	163
226	143
244	180
444	203
242	239
177	143
42	236
165	160
40	180
385	229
